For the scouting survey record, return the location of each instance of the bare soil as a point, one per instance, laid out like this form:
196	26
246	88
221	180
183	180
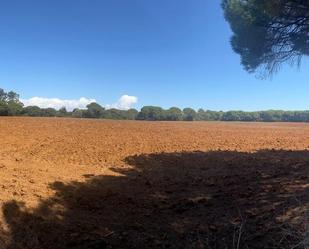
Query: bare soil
69	183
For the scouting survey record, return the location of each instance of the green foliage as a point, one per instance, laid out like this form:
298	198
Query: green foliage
189	114
208	115
152	113
173	114
94	110
268	33
62	112
78	113
49	112
115	114
4	110
3	95
12	97
32	111
131	114
15	108
11	106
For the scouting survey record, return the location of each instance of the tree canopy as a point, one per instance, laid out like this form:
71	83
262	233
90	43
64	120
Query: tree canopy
10	105
266	33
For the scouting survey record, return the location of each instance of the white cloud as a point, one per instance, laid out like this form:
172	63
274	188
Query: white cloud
56	103
125	102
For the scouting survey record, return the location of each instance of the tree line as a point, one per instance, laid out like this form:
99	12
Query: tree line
10	105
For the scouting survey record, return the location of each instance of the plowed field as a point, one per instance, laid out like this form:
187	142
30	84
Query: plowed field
67	183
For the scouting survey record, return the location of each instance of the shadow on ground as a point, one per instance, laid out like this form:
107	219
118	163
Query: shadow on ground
174	200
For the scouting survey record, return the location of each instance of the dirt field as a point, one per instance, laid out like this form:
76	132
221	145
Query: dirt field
69	183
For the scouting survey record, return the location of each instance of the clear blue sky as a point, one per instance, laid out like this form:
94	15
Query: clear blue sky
165	52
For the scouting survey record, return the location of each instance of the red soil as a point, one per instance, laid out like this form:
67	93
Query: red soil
124	184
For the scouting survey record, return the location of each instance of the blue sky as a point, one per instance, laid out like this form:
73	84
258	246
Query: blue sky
165	52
